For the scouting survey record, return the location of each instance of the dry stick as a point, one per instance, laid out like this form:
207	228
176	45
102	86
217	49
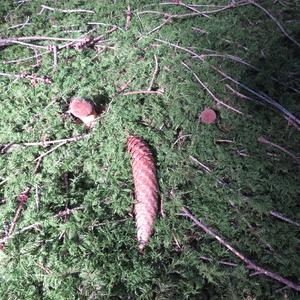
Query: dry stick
235	92
222	262
203	167
47	143
276	22
23	197
128	17
210	93
29	45
154	73
54	49
36	226
249	264
241	61
263	140
45	79
200	13
159	92
283	218
231	57
44	144
9	41
71	42
209	171
44	7
156	28
200	57
27	228
22	25
50	151
261	96
22	200
188	6
180	138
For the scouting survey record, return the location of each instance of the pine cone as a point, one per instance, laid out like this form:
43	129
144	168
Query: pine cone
145	188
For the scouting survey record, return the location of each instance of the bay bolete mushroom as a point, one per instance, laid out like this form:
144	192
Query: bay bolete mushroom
84	110
207	116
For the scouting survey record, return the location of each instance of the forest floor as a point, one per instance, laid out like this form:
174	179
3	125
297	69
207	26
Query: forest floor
66	201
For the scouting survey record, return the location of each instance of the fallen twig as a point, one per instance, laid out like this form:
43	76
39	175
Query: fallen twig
45	7
263	140
238	94
283	218
261	96
221	262
128	17
188	6
50	151
22	198
24	229
5	147
167	21
22	25
210	93
203	167
67	212
249	264
158	92
275	21
232	5
32	77
154	73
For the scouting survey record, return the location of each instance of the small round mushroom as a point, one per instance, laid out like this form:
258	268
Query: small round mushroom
83	110
208	116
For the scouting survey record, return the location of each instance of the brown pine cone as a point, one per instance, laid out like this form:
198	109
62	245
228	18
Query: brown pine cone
145	188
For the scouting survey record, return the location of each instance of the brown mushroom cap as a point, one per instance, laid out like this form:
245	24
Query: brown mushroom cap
80	107
208	116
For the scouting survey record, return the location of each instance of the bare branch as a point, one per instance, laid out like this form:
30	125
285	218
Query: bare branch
261	96
276	22
210	93
44	7
249	264
283	218
158	92
154	73
266	142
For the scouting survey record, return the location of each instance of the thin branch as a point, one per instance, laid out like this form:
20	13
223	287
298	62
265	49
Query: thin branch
44	7
32	77
199	13
249	264
188	6
200	57
67	212
158	92
221	262
46	143
261	96
128	17
210	93
168	20
266	142
283	218
50	151
22	25
203	167
22	198
276	22
24	229
154	73
238	94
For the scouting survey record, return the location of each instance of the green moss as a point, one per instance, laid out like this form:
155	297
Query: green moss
92	253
